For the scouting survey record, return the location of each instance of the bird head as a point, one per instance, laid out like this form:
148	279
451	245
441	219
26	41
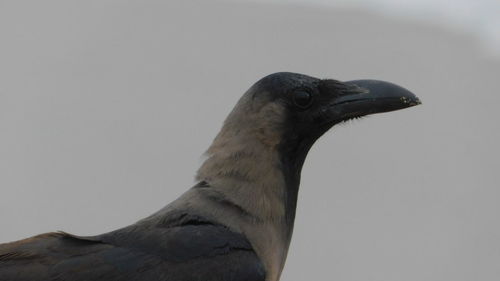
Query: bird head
290	111
269	132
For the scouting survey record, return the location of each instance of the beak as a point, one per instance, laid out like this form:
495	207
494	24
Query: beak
371	96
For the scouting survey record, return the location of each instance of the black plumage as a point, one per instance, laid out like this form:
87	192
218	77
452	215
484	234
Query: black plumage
185	248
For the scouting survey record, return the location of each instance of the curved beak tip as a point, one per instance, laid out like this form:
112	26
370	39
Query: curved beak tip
410	101
375	96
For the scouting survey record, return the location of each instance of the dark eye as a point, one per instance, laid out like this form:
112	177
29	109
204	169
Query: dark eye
302	99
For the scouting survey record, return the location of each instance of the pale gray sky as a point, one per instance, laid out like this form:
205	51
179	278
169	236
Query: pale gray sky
477	18
107	106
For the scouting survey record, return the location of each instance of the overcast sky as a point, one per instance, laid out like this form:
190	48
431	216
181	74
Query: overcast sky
478	18
107	106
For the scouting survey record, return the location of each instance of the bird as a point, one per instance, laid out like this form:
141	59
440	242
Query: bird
236	222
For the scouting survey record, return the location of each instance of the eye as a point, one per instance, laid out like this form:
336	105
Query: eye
302	99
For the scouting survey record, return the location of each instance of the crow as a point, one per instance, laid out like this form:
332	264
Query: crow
236	222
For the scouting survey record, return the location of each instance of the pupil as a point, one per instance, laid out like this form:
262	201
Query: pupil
302	98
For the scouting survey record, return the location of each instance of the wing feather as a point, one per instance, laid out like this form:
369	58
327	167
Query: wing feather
187	248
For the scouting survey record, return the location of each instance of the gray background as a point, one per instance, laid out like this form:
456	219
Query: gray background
106	107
